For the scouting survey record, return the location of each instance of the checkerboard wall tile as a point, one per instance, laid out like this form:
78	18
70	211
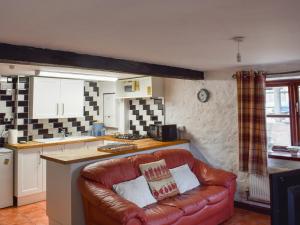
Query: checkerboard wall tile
14	111
145	112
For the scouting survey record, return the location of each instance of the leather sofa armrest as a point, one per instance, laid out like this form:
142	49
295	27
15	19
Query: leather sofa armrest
211	176
109	203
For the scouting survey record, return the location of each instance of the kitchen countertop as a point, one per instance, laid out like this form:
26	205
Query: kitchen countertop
35	144
85	155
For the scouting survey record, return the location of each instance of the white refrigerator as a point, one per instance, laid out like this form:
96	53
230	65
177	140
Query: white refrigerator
6	177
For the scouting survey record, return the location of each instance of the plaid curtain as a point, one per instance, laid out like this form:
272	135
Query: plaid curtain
252	122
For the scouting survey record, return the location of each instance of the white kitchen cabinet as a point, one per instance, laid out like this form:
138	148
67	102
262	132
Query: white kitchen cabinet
56	98
30	169
71	98
144	87
110	110
28	172
45	96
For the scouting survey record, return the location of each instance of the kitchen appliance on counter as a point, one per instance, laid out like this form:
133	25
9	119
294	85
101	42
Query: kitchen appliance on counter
6	177
130	136
164	132
98	129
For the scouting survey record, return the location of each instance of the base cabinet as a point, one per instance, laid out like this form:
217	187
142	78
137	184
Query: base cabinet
28	175
30	170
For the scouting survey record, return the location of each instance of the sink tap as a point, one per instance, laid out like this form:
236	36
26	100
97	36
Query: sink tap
62	131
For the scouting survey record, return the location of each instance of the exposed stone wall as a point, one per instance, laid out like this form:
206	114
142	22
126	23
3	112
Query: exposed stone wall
212	127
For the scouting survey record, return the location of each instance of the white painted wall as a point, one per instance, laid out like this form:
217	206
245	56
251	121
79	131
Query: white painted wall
212	127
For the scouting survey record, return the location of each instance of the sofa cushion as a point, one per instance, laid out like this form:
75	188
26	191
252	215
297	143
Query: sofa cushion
189	204
110	172
185	179
141	196
136	160
162	214
160	180
213	194
175	157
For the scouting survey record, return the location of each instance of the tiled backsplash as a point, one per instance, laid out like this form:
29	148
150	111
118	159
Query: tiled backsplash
14	109
14	112
143	113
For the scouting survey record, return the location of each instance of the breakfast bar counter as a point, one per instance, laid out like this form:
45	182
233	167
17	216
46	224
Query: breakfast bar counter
93	154
64	204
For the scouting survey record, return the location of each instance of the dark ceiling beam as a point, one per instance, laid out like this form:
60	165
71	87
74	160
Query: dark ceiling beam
39	56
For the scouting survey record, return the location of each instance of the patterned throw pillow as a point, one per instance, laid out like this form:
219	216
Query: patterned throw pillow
160	180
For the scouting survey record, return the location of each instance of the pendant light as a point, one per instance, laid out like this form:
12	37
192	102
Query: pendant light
238	40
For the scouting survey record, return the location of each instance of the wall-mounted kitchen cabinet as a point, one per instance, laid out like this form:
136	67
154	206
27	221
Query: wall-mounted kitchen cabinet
144	87
56	98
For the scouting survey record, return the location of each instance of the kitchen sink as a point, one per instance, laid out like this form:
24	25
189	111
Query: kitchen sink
62	139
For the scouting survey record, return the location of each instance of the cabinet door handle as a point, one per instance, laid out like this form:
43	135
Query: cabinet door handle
57	106
63	108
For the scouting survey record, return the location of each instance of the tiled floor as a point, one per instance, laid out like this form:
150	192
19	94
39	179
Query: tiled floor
35	214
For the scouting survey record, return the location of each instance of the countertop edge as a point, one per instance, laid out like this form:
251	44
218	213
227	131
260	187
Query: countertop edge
108	155
33	144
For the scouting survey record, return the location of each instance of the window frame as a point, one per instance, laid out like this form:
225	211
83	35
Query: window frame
293	92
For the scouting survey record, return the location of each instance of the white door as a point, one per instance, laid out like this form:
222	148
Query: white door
109	108
46	95
49	150
29	172
72	98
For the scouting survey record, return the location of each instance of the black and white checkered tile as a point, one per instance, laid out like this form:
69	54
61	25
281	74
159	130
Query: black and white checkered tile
7	105
14	112
143	113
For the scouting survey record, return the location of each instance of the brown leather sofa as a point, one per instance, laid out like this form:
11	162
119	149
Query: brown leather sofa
209	204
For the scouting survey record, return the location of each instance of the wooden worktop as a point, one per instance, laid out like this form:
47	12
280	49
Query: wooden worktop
86	155
34	144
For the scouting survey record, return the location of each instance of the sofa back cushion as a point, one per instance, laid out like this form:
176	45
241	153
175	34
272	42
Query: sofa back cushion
114	171
137	160
110	172
175	157
160	180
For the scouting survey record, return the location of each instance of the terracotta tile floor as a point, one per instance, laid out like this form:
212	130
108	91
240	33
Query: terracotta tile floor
35	214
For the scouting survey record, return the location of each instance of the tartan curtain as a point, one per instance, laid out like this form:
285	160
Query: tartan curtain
252	122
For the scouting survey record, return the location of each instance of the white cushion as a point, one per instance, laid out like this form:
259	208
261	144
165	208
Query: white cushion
136	191
185	179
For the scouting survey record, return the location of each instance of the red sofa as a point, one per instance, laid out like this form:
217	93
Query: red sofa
209	204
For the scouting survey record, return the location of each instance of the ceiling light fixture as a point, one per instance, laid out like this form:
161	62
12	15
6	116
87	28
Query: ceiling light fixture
78	76
238	40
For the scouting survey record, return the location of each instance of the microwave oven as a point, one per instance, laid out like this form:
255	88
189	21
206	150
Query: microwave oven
163	132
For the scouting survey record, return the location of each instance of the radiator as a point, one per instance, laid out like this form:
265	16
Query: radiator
259	188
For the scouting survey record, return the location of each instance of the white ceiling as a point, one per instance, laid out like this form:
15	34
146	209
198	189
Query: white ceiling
186	33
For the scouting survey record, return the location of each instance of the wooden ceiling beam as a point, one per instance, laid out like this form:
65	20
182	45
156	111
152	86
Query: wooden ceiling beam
39	56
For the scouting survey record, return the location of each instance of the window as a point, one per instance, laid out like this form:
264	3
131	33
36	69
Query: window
282	113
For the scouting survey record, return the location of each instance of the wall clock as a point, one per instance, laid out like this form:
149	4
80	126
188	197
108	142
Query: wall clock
203	95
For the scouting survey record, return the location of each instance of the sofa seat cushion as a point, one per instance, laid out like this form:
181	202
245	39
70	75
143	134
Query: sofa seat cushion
188	203
161	214
213	194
